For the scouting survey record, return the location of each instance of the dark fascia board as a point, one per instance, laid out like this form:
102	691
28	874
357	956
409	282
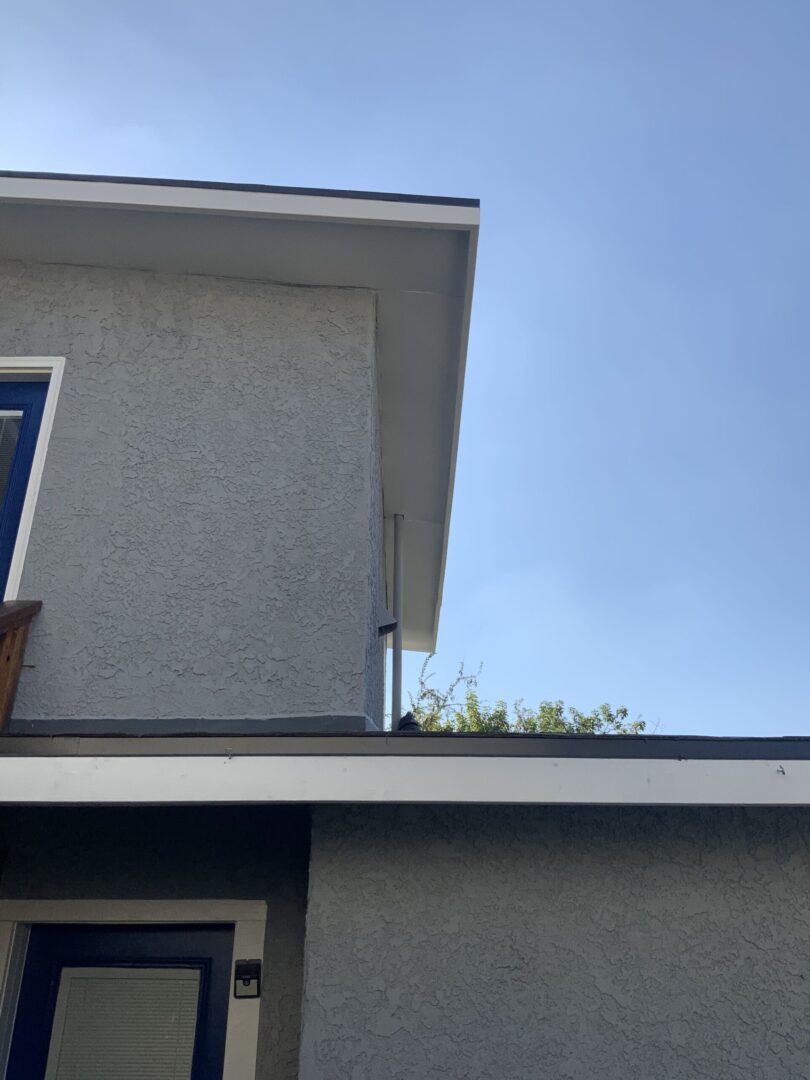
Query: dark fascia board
417	744
270	189
187	728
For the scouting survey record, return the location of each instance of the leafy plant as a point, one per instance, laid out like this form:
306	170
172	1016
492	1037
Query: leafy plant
458	709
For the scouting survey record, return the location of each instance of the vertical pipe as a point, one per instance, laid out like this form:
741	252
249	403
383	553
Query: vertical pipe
396	660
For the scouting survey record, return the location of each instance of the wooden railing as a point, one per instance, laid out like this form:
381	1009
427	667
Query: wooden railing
15	618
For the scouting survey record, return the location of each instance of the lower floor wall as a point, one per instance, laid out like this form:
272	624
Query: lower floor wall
479	943
180	853
557	944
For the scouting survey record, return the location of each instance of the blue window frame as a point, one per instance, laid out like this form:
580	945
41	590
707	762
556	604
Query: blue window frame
21	408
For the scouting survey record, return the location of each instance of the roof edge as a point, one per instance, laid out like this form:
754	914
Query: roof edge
243	740
268	189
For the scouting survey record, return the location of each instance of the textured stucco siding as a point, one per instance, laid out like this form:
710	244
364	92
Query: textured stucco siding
172	853
558	944
201	537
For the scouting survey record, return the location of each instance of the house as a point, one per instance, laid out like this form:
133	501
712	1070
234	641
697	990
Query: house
228	424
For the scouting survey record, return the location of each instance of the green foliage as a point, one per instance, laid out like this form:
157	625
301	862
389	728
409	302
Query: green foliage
440	710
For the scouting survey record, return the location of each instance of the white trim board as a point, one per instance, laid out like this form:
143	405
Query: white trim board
208	200
333	778
53	368
248	916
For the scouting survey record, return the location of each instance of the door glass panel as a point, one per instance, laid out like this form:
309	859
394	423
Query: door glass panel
115	1023
10	423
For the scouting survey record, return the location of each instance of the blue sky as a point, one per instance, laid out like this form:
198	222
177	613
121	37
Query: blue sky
632	520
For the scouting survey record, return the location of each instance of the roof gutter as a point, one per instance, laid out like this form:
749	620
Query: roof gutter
400	778
252	200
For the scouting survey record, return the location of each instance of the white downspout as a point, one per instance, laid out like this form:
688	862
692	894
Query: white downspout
396	659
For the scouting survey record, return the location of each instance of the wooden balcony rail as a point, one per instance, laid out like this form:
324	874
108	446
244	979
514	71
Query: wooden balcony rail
15	618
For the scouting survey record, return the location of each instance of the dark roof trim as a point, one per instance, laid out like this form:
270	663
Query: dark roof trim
268	189
139	729
360	744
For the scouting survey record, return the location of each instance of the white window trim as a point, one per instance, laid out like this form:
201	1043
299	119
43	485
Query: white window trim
248	917
52	367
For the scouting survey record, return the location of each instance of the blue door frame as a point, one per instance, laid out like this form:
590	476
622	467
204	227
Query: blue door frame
206	947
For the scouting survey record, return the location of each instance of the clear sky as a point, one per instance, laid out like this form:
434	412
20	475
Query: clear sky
632	510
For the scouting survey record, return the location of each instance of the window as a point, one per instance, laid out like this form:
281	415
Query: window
28	390
112	1021
21	408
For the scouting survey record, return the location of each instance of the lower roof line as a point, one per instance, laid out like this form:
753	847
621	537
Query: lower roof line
318	778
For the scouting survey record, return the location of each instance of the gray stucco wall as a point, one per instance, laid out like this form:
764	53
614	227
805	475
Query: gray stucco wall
201	541
558	944
172	853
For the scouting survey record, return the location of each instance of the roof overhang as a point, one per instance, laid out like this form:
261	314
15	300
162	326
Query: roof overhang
416	252
527	770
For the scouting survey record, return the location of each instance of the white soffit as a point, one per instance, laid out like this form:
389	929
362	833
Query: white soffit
417	253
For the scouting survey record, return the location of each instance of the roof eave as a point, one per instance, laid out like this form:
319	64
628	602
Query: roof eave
201	197
287	204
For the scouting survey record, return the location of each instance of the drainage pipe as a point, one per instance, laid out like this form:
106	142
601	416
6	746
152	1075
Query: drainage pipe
396	660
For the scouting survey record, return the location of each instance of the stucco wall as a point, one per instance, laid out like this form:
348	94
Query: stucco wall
173	853
558	944
201	541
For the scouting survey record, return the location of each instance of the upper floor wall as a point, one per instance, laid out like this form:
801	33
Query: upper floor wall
207	540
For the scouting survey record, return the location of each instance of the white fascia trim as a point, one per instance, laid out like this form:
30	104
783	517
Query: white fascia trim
53	367
248	916
399	779
245	203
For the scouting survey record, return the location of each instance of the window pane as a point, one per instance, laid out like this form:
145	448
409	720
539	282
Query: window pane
124	1024
10	423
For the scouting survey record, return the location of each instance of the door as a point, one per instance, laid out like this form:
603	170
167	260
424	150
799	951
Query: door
21	408
123	1003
